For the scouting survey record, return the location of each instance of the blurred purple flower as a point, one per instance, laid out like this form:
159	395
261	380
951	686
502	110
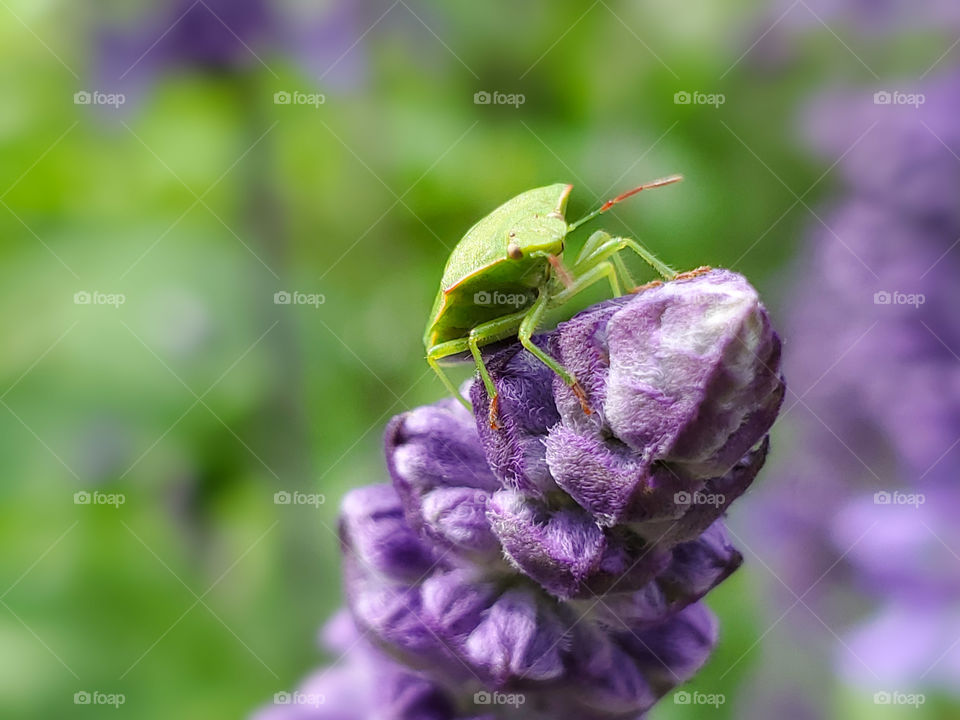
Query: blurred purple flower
558	562
870	492
780	35
364	683
232	36
865	16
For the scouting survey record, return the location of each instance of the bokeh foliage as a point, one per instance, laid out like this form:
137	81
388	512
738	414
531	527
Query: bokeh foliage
199	597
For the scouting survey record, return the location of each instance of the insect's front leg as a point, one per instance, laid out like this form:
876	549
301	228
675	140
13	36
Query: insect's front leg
611	247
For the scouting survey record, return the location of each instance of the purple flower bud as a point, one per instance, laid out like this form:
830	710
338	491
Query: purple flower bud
454	603
609	681
440	473
694	569
714	499
683	380
673	651
693	375
457	517
373	524
566	551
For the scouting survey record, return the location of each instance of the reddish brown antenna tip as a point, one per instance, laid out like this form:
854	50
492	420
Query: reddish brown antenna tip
646	186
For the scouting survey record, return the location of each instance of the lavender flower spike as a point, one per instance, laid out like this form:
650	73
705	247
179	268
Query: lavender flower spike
553	568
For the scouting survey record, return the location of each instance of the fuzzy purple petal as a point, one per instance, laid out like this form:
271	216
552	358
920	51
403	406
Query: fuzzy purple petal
517	639
373	528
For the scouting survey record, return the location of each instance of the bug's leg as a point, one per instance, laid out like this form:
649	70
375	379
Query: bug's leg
525	335
614	246
440	351
665	271
559	270
599	247
491	331
590	246
474	343
595	274
624	272
600	253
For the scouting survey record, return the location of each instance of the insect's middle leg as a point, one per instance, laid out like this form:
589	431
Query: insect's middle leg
529	326
484	334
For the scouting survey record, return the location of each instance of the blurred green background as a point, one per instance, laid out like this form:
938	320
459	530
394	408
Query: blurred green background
198	397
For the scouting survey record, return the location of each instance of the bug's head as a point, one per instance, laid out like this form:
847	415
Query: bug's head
537	223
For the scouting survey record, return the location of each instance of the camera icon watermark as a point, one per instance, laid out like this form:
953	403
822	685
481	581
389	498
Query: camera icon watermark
314	700
684	697
498	698
496	298
885	297
83	297
95	97
285	97
282	497
883	497
84	697
483	97
685	97
283	297
85	497
699	498
895	97
895	697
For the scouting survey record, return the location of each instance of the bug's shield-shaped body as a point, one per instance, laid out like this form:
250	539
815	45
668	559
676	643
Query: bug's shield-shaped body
499	266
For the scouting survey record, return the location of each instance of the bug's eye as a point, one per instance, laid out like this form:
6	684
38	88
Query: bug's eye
514	252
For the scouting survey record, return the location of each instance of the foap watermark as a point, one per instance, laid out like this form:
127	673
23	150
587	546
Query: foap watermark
282	497
83	297
895	697
296	97
96	97
498	698
282	297
882	497
497	298
85	497
699	498
684	697
895	97
482	97
885	297
685	97
299	698
95	697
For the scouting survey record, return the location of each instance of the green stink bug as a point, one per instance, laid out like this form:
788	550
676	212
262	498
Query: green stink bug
508	270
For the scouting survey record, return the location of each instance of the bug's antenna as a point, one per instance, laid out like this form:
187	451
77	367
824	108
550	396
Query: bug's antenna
623	196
